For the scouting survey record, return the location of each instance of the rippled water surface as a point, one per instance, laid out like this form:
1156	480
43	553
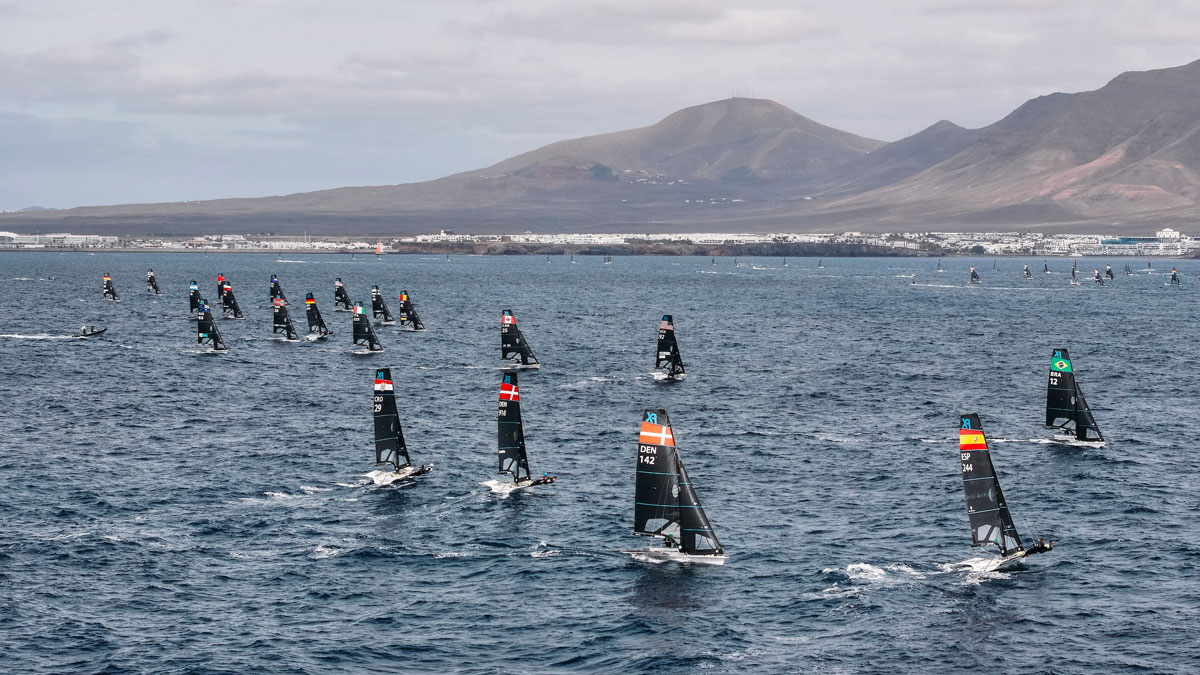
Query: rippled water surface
165	510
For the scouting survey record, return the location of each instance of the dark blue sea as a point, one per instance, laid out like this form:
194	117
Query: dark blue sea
168	511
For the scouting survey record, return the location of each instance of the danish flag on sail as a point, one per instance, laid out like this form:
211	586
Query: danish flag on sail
508	392
656	434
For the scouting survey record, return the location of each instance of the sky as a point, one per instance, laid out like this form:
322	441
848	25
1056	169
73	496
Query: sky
132	101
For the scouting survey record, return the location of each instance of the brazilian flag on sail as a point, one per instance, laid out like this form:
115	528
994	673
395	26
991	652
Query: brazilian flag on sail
1057	362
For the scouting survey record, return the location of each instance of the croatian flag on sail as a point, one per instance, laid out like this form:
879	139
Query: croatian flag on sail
383	385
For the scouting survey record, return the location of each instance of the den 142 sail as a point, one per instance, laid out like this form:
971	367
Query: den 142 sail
407	313
668	349
512	343
665	504
110	291
510	435
390	448
316	324
341	299
281	322
379	308
152	283
364	335
206	328
1066	408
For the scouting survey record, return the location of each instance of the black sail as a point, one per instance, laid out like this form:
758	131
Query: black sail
281	322
407	313
389	437
152	283
315	323
364	335
696	533
991	522
510	434
512	342
229	304
341	299
379	308
110	291
665	501
1085	424
668	349
1066	408
206	328
193	296
220	286
277	290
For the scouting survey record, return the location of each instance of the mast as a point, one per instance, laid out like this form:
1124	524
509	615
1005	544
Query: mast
315	323
510	433
281	322
193	296
512	342
665	503
206	328
110	291
341	299
229	304
991	522
152	283
364	335
1066	407
668	349
389	437
408	313
277	291
379	308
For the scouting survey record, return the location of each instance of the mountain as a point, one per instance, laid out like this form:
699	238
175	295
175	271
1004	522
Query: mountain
1125	157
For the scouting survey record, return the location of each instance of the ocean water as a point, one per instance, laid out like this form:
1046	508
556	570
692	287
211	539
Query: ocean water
165	510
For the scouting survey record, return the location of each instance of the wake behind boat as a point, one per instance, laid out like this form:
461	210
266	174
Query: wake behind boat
665	504
512	343
668	351
510	441
1066	408
390	448
991	521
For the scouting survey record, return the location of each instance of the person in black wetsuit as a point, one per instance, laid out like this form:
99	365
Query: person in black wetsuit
1040	547
670	541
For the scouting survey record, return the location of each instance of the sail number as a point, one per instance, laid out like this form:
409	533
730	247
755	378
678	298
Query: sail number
1053	378
647	454
378	401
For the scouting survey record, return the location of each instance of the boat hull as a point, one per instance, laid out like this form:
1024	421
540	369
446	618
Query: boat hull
381	478
662	555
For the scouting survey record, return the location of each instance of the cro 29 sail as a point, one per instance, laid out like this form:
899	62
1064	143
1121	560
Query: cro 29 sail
668	349
665	503
110	291
991	522
364	335
281	322
512	342
277	291
229	304
206	328
152	283
315	323
193	296
1066	408
341	299
389	437
379	308
407	313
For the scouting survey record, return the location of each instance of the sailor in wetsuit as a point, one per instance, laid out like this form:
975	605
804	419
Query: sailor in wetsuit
670	541
1040	547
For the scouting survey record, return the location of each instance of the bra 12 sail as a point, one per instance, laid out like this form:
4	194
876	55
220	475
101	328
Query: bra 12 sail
665	503
193	296
316	325
408	313
379	308
390	448
510	436
1066	408
229	304
512	343
364	335
987	511
152	283
206	328
341	299
110	291
281	322
277	291
668	349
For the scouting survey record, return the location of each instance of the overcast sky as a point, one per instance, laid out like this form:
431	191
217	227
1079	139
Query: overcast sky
167	100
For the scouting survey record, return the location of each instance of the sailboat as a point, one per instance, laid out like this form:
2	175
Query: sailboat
608	260
389	437
206	328
1174	277
1066	408
1026	273
152	283
282	323
665	503
364	335
975	276
1128	270
341	299
220	286
1109	273
316	325
573	259
1149	268
408	313
668	351
737	264
991	521
1096	278
379	248
110	291
1074	281
277	291
512	342
229	304
379	308
821	263
1046	268
193	296
510	440
785	262
939	267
